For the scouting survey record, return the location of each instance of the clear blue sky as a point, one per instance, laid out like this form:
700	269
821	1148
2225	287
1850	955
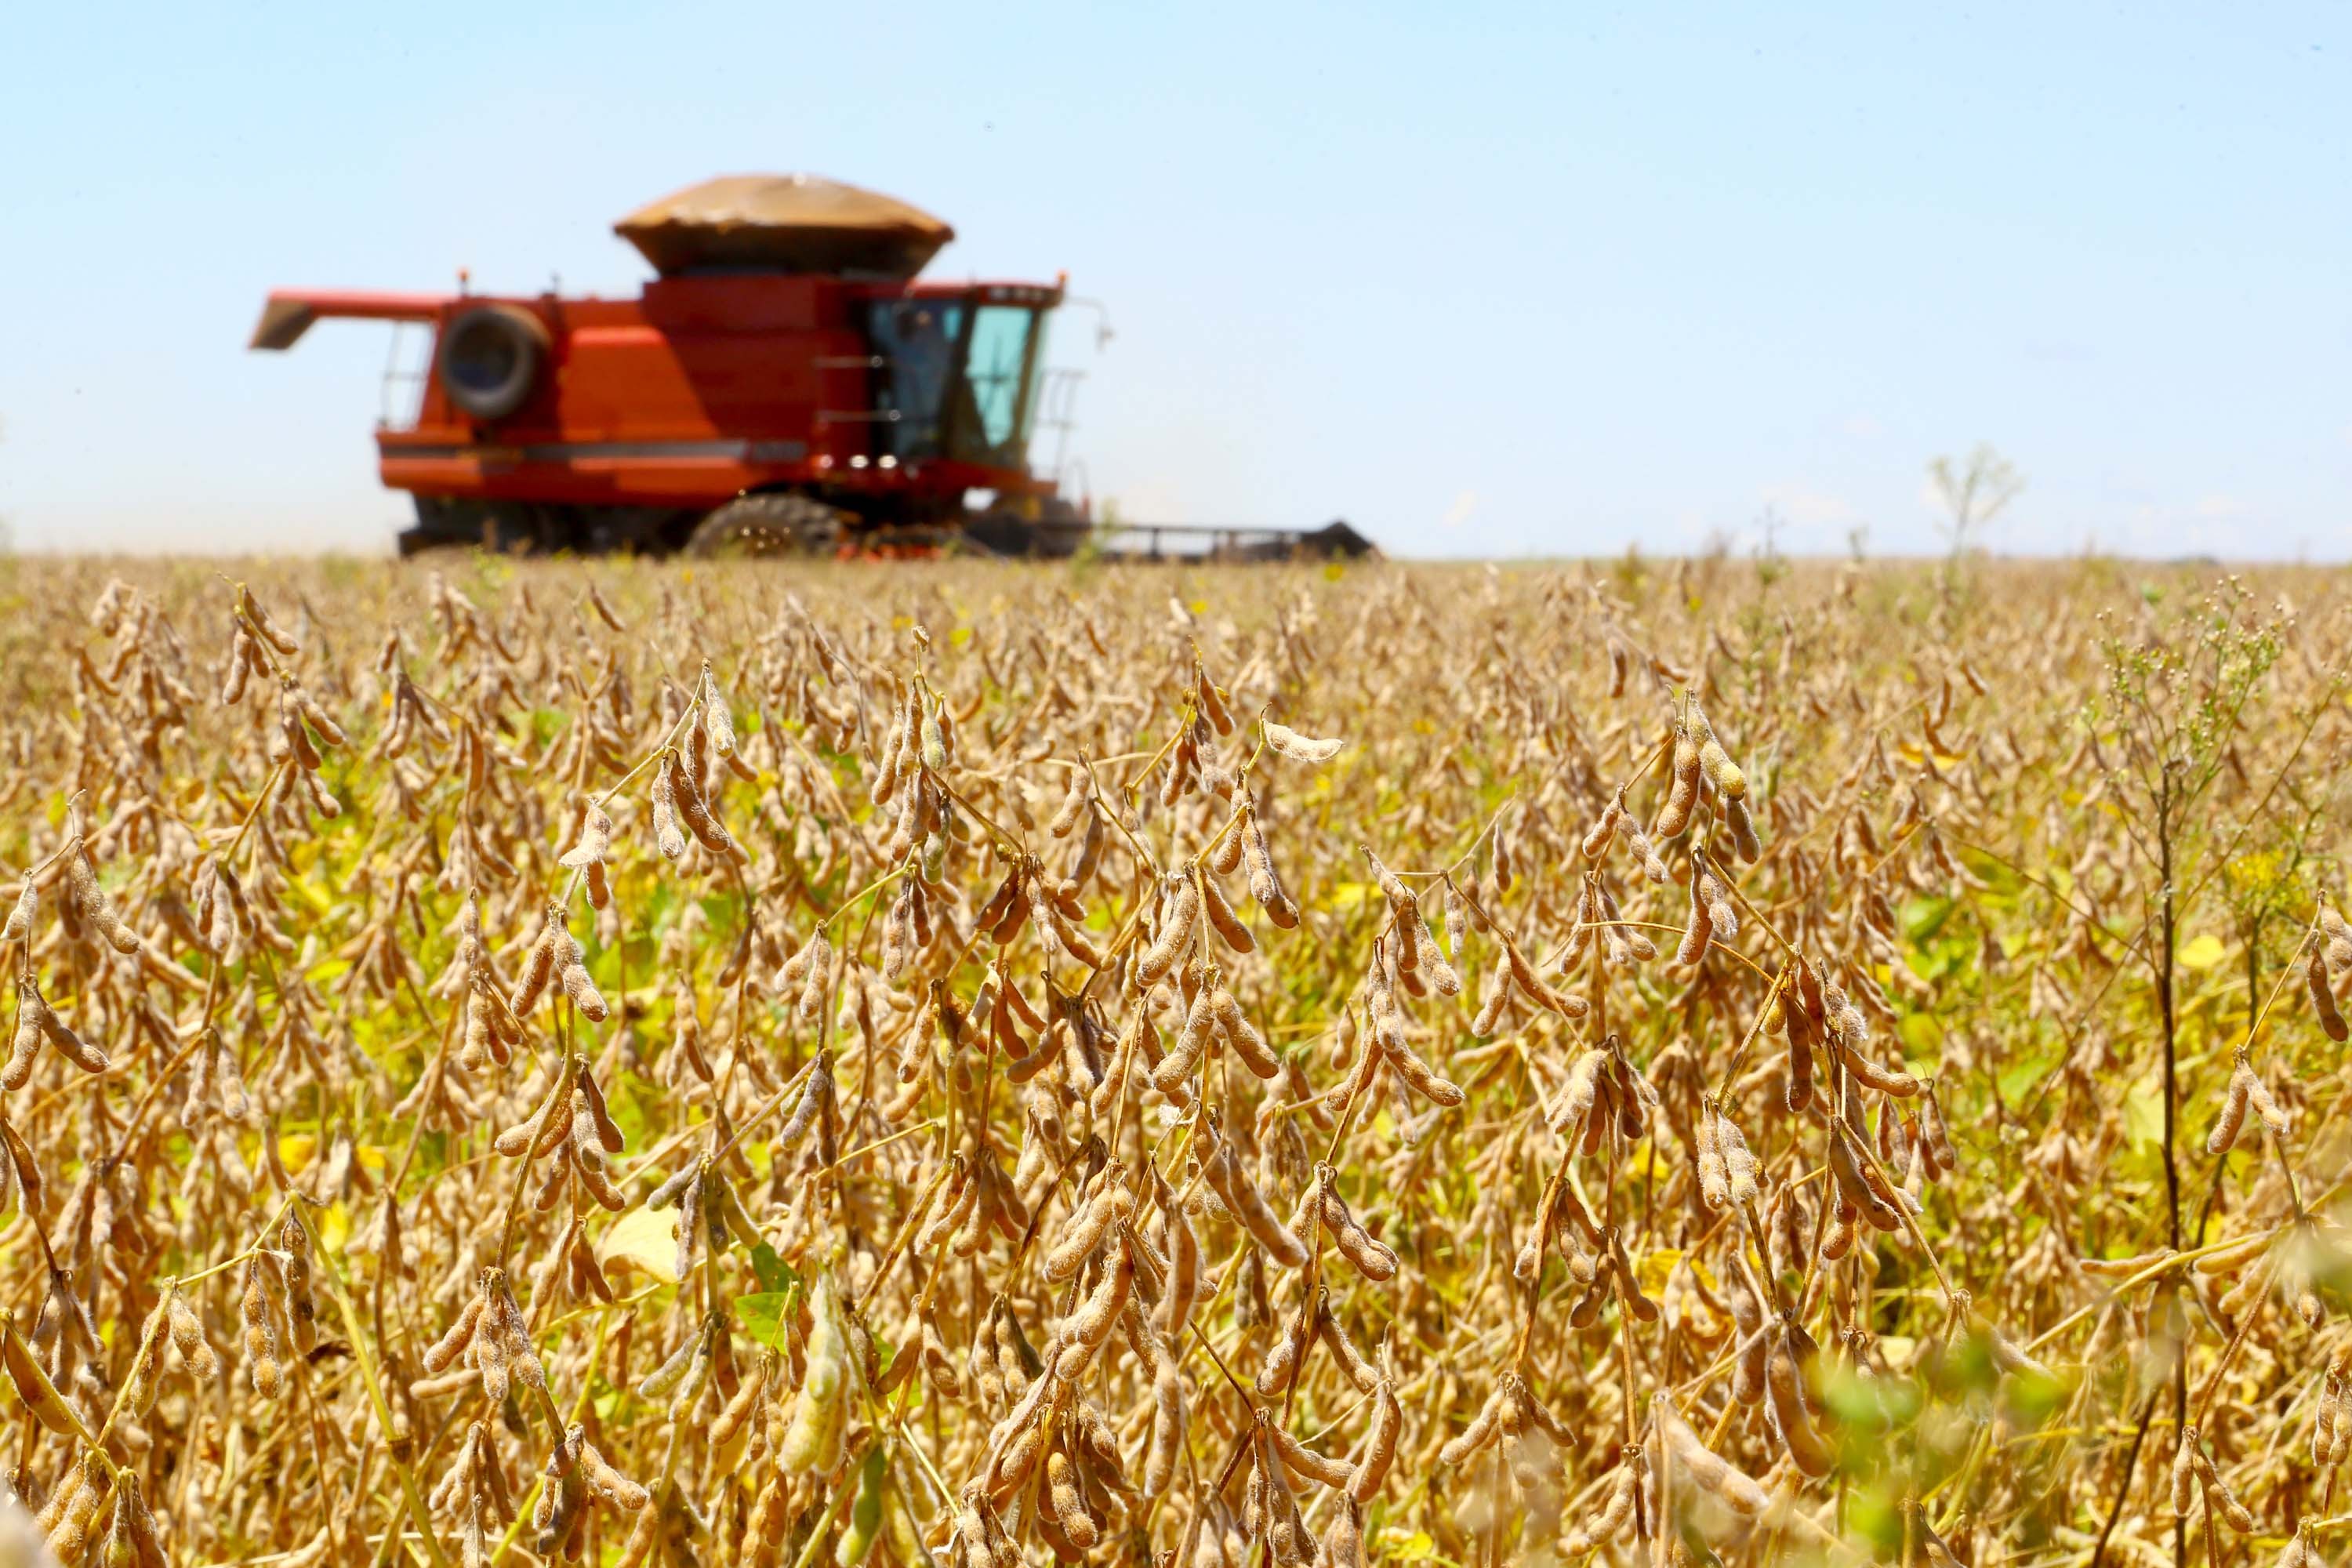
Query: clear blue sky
1485	279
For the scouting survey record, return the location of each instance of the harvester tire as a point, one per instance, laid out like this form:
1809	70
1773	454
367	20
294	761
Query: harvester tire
488	359
762	525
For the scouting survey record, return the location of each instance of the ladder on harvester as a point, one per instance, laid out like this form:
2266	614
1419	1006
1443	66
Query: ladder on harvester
407	364
1058	403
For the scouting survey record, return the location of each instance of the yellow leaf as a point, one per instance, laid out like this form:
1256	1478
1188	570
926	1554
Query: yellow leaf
1200	607
294	1151
647	1238
961	636
2143	1116
335	1228
1656	1267
2203	952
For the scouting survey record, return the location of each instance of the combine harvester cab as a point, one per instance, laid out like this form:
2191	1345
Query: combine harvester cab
785	384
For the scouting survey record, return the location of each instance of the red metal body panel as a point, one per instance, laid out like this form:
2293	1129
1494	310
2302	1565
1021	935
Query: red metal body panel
698	390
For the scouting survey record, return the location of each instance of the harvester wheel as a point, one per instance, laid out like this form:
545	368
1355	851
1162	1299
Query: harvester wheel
768	525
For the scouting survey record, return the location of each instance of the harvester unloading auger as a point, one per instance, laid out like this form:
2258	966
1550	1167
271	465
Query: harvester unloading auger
785	384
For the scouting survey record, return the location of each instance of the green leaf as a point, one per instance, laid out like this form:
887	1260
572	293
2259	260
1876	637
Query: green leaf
2020	1076
2034	1399
763	1315
1877	1518
775	1275
1921	1035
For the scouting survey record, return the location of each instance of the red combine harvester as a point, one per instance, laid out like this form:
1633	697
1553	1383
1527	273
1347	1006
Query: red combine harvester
785	384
